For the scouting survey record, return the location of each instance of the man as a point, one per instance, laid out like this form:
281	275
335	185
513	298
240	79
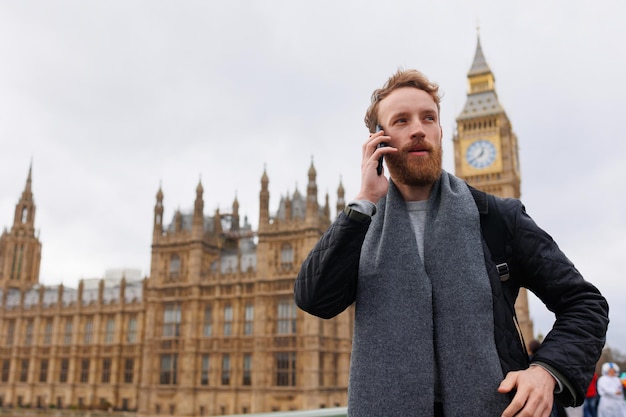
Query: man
432	335
611	392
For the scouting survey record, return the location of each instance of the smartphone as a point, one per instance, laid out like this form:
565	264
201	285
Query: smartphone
379	168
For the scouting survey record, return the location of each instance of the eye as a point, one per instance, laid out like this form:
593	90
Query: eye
400	120
430	118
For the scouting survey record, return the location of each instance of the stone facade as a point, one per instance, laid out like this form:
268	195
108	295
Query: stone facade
214	330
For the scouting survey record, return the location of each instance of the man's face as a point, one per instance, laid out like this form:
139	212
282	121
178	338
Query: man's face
411	118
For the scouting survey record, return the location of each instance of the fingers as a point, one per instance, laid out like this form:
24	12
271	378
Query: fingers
508	383
534	390
376	146
373	186
370	145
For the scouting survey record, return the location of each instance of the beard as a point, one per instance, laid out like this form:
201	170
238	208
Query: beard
415	171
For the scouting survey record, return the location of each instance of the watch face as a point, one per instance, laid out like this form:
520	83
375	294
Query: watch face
481	154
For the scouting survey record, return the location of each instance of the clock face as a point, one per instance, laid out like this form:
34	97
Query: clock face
481	154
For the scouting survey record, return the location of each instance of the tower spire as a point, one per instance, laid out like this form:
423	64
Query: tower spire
29	180
264	200
25	208
158	215
311	194
20	250
341	197
479	65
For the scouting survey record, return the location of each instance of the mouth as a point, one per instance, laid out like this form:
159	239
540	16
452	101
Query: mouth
418	150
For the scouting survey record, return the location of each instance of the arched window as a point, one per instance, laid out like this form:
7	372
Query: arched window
171	320
228	320
175	266
208	322
248	328
286	318
286	256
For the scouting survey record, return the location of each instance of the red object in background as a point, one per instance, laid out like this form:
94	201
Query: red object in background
591	391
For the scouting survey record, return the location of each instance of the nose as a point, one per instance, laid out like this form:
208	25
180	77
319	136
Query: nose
417	130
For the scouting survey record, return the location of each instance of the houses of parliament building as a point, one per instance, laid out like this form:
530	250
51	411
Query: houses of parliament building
213	330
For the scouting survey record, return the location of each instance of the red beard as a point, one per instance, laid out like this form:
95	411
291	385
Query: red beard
415	170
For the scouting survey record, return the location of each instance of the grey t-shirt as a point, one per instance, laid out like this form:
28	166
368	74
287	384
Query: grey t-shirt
417	213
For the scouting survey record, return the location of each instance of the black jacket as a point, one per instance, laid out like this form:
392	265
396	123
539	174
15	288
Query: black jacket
328	279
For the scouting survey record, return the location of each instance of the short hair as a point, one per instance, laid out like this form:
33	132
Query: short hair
402	78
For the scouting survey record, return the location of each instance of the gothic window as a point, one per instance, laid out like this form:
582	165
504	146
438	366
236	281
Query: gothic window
286	316
6	368
67	335
43	370
129	365
226	369
168	369
286	256
24	214
249	320
175	264
65	366
204	373
286	369
247	369
207	328
24	371
88	335
84	371
109	331
47	338
106	370
171	320
16	267
131	333
28	337
228	320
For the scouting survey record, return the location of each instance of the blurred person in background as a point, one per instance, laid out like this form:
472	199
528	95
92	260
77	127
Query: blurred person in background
611	392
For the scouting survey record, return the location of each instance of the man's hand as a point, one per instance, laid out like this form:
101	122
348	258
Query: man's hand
373	186
534	392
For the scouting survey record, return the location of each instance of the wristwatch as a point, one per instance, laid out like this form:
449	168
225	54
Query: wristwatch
356	215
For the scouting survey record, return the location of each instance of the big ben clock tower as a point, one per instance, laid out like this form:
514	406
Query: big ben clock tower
486	154
485	147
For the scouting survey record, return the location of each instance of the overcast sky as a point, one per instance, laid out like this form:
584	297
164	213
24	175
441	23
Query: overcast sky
111	99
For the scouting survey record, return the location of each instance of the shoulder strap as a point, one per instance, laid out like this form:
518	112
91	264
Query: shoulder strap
492	230
494	233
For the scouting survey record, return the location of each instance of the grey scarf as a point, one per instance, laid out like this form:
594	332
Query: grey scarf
416	317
